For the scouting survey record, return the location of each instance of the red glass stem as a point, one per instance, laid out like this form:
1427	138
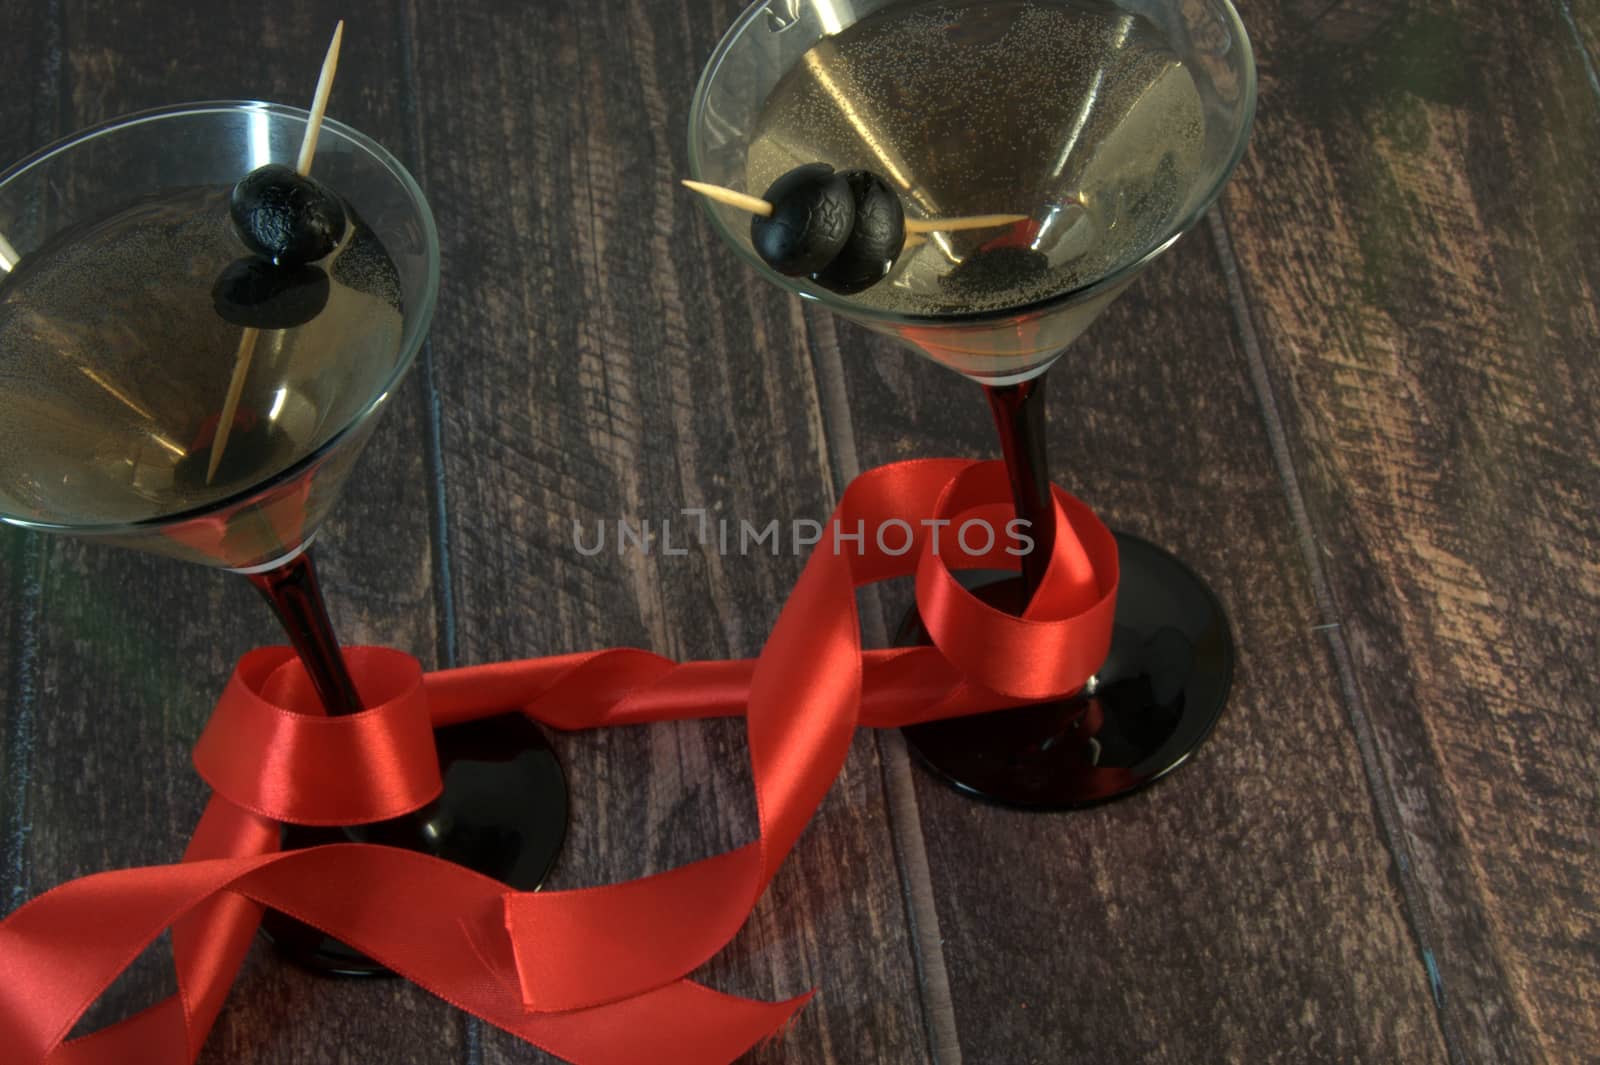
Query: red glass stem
1018	411
292	591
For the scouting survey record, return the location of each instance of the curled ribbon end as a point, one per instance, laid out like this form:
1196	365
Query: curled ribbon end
269	748
795	1005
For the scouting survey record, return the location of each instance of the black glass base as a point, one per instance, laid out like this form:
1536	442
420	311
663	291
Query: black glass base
1154	700
503	813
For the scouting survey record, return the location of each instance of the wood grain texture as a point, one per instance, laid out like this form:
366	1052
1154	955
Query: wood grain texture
582	383
30	50
1244	909
1419	250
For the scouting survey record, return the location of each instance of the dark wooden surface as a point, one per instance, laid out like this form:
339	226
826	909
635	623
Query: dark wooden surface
1359	400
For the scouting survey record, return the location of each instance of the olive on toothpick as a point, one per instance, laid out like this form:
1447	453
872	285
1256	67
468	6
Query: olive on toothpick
842	231
811	219
287	222
877	236
285	216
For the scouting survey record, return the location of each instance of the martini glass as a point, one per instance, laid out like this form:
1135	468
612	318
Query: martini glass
114	367
1112	125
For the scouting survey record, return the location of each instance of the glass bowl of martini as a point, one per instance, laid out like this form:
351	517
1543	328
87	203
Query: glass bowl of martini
1084	137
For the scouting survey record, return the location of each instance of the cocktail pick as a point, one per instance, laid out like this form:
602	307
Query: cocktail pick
756	205
247	342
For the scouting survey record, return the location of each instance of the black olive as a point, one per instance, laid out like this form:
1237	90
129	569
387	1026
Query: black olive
812	214
285	216
875	240
253	292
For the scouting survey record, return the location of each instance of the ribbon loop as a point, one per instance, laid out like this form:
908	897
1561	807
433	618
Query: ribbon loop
1065	633
269	749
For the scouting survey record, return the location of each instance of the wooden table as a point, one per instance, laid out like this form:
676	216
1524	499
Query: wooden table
1359	399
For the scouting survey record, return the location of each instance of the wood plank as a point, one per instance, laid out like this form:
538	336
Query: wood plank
133	650
1245	908
27	119
1420	252
19	566
582	380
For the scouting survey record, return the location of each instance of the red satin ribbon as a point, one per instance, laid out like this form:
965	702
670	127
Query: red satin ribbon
590	975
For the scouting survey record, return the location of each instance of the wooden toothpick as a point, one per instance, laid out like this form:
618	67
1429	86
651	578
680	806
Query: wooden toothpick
744	201
973	221
319	101
756	205
230	406
247	342
8	255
